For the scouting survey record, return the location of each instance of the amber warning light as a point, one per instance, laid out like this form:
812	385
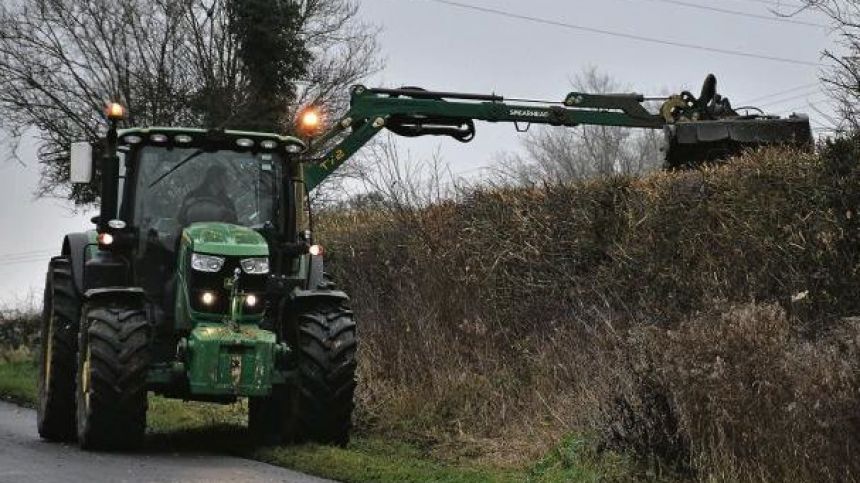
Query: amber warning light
310	121
115	111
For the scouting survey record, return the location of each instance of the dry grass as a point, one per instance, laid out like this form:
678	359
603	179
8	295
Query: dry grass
19	331
692	319
736	396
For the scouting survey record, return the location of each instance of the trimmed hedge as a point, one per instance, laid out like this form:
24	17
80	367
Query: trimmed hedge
527	314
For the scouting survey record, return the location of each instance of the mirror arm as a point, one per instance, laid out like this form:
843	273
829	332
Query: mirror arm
109	179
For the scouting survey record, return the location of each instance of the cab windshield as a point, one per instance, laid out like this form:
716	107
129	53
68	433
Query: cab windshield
179	186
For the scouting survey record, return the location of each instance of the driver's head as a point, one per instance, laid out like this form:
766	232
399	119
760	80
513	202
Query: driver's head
214	180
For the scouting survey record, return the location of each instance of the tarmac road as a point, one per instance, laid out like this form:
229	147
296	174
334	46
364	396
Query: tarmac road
26	458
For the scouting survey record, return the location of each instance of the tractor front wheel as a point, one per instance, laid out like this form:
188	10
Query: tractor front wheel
56	384
317	405
111	385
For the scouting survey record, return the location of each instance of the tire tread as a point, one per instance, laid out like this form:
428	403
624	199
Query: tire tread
118	340
56	397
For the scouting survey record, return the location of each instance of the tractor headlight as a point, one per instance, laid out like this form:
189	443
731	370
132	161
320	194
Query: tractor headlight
208	298
255	266
206	263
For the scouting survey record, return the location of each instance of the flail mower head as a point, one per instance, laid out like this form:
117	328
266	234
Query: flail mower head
707	129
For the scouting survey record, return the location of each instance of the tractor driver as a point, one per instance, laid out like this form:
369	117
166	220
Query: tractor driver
209	201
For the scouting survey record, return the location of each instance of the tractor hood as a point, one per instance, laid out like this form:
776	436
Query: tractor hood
225	239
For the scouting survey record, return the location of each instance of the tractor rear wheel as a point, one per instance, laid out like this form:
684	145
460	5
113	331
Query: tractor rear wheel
317	405
59	346
113	357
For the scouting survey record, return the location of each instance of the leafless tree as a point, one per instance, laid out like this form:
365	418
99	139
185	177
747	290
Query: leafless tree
344	51
172	62
843	75
554	154
391	178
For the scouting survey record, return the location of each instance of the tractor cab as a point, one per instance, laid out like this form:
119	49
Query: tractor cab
170	178
195	208
173	179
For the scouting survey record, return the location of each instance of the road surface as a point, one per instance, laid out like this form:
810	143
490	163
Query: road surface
26	458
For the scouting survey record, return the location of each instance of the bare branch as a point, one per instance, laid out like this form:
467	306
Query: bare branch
554	154
172	62
843	76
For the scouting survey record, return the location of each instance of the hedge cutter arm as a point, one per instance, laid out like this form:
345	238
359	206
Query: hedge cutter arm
414	112
704	122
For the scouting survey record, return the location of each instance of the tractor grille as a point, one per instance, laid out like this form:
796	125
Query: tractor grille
202	282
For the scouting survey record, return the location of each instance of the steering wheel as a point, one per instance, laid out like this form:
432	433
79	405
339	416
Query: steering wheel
205	208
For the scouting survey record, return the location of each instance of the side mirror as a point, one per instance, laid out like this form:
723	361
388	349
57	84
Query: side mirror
82	163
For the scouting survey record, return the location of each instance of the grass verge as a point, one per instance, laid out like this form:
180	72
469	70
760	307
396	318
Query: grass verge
18	382
179	426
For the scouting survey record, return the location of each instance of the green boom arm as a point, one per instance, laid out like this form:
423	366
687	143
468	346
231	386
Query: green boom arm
415	112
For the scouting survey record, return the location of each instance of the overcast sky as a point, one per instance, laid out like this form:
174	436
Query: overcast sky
438	45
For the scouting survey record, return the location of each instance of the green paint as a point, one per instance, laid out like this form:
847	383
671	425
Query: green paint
369	111
228	354
315	173
185	317
225	239
227	361
93	246
182	309
237	300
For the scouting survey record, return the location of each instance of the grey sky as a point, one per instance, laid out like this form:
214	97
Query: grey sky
443	47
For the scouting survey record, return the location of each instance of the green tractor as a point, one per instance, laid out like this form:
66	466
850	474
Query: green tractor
202	282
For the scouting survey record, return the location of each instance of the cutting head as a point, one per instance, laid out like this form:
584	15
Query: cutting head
707	129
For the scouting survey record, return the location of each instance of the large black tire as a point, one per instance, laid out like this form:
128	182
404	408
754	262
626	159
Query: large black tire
113	358
317	405
61	310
